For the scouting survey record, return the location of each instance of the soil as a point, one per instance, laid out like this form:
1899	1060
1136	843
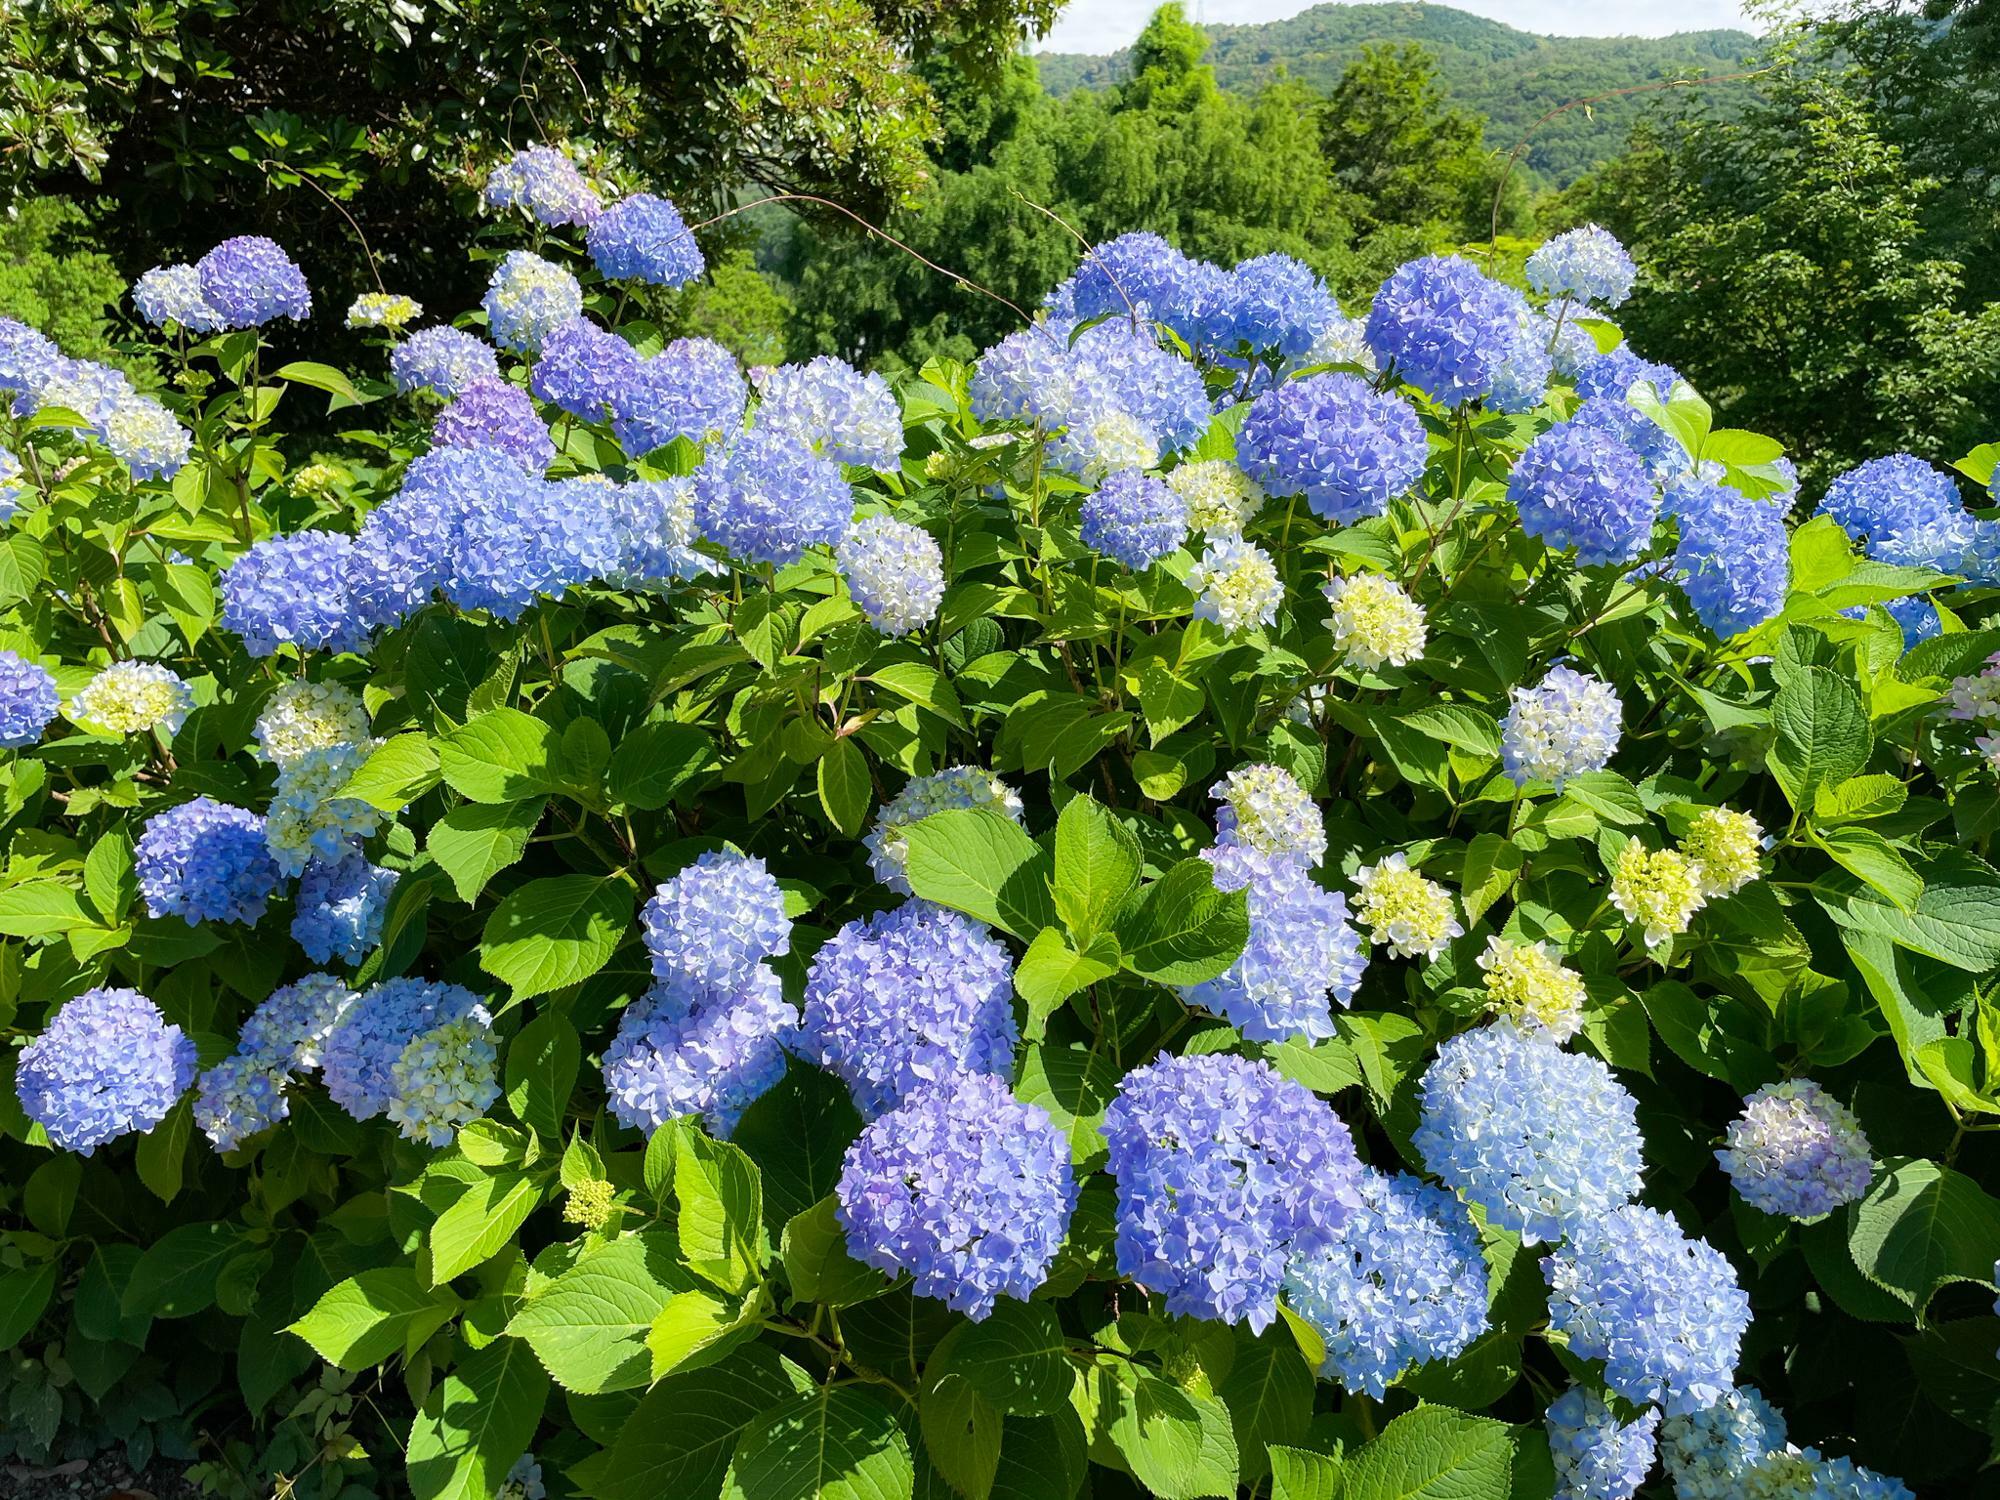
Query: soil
106	1477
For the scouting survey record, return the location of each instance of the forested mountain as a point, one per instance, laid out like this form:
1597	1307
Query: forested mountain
1511	77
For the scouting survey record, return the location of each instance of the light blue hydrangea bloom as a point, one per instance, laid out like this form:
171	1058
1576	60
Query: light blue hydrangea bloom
1262	811
584	369
1125	364
292	591
443	361
1658	449
906	997
1227	1173
1709	1450
1301	952
1542	1139
13	490
25	356
1598	1457
949	790
338	915
834	409
147	438
493	414
1027	376
1333	438
962	1187
205	861
1401	1281
1579	488
895	572
307	820
444	1078
531	539
1444	326
716	921
1587	265
106	1065
1137	273
1734	556
91	390
652	522
250	281
644	238
29	700
694	1049
691	389
289	1027
237	1098
528	299
1134	519
544	184
1274	305
405	549
172	294
363	1057
1884	497
769	497
1796	1151
1620	372
1565	725
1662	1311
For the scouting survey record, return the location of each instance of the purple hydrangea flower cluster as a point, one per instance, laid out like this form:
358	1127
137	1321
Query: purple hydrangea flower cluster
1796	1151
1734	556
205	861
419	1052
1578	487
644	238
1227	1173
1663	1312
834	409
106	1065
1598	1457
1346	447
172	294
493	414
29	700
691	389
585	370
1444	327
1399	1282
1542	1139
340	906
769	497
716	921
963	1187
1586	265
895	572
1565	725
293	591
249	281
443	361
1134	519
905	998
544	184
695	1049
1301	951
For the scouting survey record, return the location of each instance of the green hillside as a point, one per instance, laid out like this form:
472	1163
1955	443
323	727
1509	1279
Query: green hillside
1511	77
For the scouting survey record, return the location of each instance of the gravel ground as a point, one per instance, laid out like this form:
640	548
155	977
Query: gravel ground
106	1477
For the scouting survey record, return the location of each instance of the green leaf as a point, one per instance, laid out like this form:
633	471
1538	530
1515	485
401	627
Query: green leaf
1467	729
1491	866
50	1196
961	1432
1432	1453
826	1443
549	934
189	595
500	756
924	686
1866	854
589	1325
1858	798
176	1276
1051	971
24	1295
476	1422
814	1249
109	877
480	1223
1182	930
1269	1394
983	863
1920	1226
1097	867
1956	920
397	772
655	762
721	1202
1178	1445
698	1328
161	1155
1614	799
679	1438
844	785
374	1315
323	378
1017	1358
542	1063
476	841
42	908
1823	735
798	1134
1301	1474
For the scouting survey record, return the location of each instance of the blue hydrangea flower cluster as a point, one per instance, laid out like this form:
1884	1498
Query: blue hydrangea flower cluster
544	184
1521	380
644	238
905	998
25	353
1578	487
1586	265
1709	1451
1658	449
1262	811
716	921
1334	439
1227	1173
1301	952
237	1098
339	910
1888	496
1027	376
1734	556
833	408
1444	327
443	361
172	294
293	591
1620	372
246	1092
1598	1457
205	861
690	389
586	370
1399	1282
106	1065
29	700
1134	519
1122	364
1796	1151
696	1049
12	488
417	1051
1270	305
895	572
949	790
1134	273
962	1187
1565	725
1542	1139
1663	1312
653	520
145	437
494	414
1103	437
249	281
528	299
404	549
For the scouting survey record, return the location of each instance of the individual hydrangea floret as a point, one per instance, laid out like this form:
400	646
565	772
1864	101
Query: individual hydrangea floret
1401	1282
172	294
1227	1174
1301	952
586	370
1347	448
1727	848
833	408
1375	622
308	819
1580	488
1796	1151
1586	265
145	437
205	861
528	299
249	281
769	497
303	716
905	998
1977	695
1708	1450
1444	327
644	238
1264	811
544	184
1734	555
292	591
716	921
1413	916
948	790
1134	519
895	572
654	523
1565	725
339	910
494	414
443	361
390	310
1527	984
962	1187
133	697
1660	889
1541	1139
289	1027
376	1061
694	1049
29	700
1236	585
1597	1456
106	1065
237	1098
691	389
1663	1312
1221	498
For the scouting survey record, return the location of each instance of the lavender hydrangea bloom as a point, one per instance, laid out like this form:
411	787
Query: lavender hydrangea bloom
1598	1457
1734	556
690	389
528	299
1136	272
833	408
1333	438
1444	326
512	549
107	1064
443	361
1301	952
1400	1282
237	1098
1587	265
585	370
292	590
904	998
1663	1312
962	1186
1521	380
29	700
1796	1151
1709	1450
895	572
249	281
1577	487
644	238
205	861
374	1062
1227	1173
688	1049
340	908
1622	371
716	921
1134	519
289	1027
406	547
172	294
769	497
1542	1139
1565	725
546	185
493	414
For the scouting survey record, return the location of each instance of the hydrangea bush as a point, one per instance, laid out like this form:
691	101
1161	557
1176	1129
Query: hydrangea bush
1238	898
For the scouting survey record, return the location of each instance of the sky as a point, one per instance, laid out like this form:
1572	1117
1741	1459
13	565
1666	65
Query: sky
1106	25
